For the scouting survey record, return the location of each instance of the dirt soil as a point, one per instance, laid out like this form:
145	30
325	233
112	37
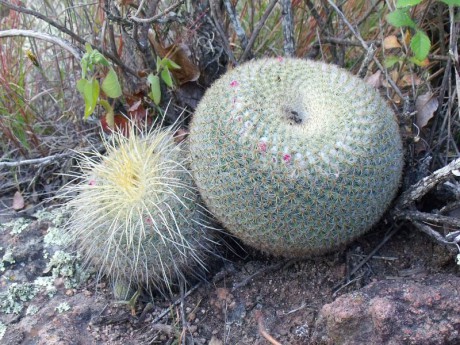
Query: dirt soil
55	303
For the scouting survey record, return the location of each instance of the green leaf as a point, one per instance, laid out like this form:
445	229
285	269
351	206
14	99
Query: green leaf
166	76
158	64
391	60
97	58
400	18
420	45
407	3
88	48
90	91
84	66
451	2
169	64
110	85
155	89
109	116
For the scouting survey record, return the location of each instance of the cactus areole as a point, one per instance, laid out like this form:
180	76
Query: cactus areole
295	157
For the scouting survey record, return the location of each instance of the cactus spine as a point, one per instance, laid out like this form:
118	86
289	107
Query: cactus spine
295	157
136	215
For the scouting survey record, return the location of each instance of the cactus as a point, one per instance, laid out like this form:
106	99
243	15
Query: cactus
295	157
135	213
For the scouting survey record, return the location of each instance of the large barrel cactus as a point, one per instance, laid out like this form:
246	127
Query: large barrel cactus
135	212
295	157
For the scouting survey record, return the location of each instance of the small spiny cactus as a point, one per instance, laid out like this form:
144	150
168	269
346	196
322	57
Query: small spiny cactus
135	212
295	157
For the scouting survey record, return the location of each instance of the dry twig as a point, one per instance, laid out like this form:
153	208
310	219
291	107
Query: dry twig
236	24
418	190
265	269
367	48
175	303
36	161
150	20
63	29
453	52
404	208
76	52
257	29
349	276
215	14
263	332
288	28
429	218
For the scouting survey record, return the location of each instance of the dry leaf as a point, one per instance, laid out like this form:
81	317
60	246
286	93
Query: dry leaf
375	80
222	293
18	201
408	80
179	53
391	42
425	105
407	37
126	2
135	105
215	341
424	63
180	135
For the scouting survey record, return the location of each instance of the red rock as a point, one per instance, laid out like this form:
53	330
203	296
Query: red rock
416	311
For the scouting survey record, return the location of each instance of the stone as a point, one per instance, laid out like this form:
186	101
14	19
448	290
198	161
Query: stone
413	311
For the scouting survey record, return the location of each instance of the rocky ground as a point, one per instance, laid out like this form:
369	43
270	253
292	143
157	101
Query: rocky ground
407	292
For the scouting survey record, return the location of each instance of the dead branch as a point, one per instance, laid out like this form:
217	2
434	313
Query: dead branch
355	269
348	42
68	32
176	303
453	51
166	329
257	29
366	47
216	19
271	268
428	218
418	190
288	28
263	332
405	206
236	24
76	52
37	161
150	20
314	12
434	234
367	60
